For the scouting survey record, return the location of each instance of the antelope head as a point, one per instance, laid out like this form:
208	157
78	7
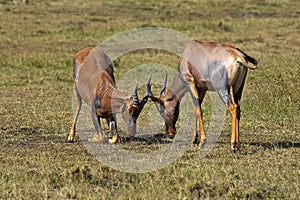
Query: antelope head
167	105
131	109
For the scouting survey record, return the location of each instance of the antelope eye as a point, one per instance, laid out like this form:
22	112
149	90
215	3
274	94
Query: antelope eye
130	111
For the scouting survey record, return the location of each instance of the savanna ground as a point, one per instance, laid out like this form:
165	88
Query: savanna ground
37	45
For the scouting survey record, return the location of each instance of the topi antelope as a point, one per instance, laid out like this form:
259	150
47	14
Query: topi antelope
206	67
95	84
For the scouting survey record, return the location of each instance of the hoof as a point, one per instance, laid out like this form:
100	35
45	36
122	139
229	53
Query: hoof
114	139
201	144
195	142
97	139
69	141
171	136
235	149
70	138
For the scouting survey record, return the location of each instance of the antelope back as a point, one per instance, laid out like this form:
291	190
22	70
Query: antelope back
91	65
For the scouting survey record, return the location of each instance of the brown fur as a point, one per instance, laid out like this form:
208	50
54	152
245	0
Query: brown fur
197	66
95	84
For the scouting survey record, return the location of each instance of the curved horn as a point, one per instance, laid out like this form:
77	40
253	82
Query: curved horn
148	88
148	92
163	89
135	98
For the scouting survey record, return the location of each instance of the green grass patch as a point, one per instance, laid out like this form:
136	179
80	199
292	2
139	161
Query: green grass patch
37	45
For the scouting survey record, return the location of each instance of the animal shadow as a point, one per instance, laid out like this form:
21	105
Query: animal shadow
276	145
148	139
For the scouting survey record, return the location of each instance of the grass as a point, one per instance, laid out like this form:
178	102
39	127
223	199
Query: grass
37	45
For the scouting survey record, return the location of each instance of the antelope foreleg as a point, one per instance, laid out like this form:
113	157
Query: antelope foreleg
113	130
198	119
198	96
99	136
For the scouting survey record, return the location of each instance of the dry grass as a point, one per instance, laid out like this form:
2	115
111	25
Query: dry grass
37	44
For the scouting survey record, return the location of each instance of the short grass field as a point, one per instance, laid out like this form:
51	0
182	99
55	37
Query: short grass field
38	42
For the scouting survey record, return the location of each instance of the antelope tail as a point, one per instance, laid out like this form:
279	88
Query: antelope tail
248	59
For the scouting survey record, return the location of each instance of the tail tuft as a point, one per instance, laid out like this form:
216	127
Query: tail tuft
249	59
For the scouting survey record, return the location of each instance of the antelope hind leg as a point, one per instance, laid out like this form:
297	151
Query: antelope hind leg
234	128
73	128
